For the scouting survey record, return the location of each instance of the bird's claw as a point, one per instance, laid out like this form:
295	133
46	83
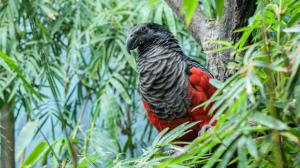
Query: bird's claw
175	152
204	129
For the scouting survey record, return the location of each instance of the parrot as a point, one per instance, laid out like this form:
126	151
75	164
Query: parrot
171	84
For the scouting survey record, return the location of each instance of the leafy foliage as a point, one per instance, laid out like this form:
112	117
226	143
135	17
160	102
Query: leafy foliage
64	66
73	86
257	108
211	8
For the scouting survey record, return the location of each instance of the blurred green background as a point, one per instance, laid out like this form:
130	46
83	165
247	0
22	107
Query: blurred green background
73	53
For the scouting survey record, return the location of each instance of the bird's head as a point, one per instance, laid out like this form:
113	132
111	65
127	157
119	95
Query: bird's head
147	34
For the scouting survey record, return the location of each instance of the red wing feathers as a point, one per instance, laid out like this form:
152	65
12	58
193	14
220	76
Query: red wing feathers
200	90
200	80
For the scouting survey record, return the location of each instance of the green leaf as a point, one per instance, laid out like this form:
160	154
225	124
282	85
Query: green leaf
221	42
189	7
88	161
158	14
251	146
208	8
219	7
293	29
170	19
293	19
49	12
145	15
249	90
130	58
269	121
177	132
36	153
297	97
254	78
216	83
11	63
121	90
242	153
214	158
227	156
159	136
25	137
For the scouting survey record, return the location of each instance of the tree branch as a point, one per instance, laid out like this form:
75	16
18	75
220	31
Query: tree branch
204	31
7	136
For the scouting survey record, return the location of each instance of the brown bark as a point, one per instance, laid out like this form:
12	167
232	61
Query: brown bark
236	15
7	136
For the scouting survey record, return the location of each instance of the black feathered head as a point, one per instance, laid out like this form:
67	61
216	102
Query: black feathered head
147	34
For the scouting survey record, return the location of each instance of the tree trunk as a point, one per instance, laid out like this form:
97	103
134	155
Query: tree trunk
7	136
236	14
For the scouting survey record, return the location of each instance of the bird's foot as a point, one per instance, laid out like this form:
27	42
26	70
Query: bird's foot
175	153
205	128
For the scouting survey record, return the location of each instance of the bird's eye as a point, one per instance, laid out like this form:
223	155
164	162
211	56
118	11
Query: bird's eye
143	29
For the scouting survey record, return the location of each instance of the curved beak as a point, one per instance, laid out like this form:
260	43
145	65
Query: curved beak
131	43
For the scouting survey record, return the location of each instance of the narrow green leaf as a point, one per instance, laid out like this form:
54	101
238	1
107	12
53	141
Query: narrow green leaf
219	7
297	97
269	121
88	161
121	90
216	83
242	153
214	158
170	19
208	8
159	136
227	156
158	14
293	29
36	153
130	58
25	137
251	146
11	63
189	7
293	19
49	12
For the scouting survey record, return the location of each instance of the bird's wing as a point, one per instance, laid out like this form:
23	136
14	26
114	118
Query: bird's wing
200	90
193	63
199	79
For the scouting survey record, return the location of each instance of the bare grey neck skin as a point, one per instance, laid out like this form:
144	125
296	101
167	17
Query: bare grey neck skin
163	79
